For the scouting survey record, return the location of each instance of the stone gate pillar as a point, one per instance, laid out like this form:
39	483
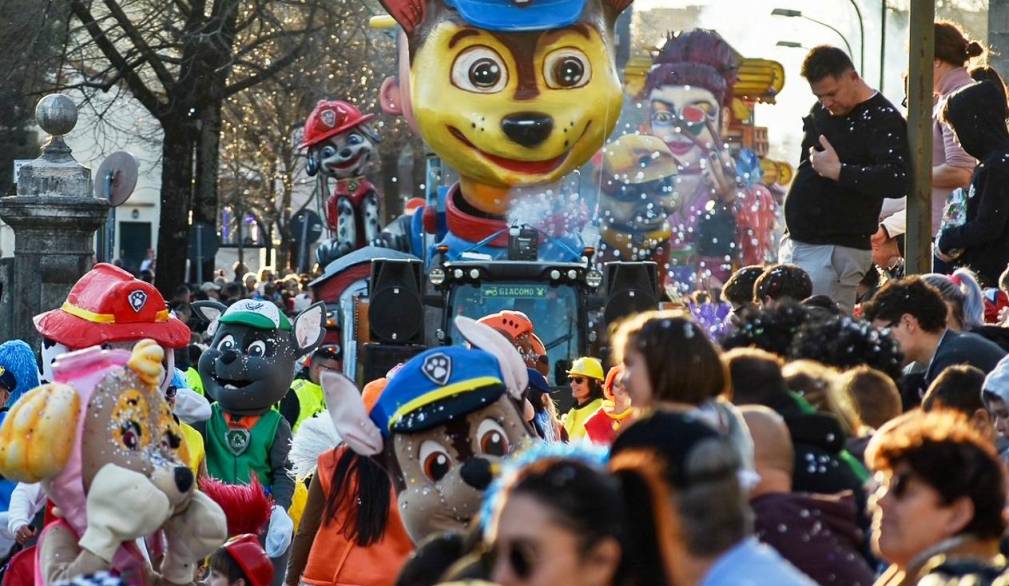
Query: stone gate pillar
54	216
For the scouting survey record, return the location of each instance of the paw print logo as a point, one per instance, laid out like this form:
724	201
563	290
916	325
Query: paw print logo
329	118
138	299
437	368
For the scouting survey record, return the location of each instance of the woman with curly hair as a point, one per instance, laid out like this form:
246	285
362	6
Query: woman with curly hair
926	521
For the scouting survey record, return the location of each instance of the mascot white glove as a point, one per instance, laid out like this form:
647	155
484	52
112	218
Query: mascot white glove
122	505
191	536
280	533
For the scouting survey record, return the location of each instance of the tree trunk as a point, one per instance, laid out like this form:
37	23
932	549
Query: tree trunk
392	203
176	192
207	168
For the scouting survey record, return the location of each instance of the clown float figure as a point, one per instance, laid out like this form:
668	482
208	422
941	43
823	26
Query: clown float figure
687	89
512	95
340	145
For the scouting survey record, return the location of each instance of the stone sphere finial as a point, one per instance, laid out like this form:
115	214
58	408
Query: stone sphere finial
56	114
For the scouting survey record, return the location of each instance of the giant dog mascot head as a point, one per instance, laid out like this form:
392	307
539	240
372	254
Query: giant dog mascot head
441	425
509	93
250	363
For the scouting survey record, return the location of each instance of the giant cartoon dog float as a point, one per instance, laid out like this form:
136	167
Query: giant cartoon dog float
441	425
511	94
340	145
111	458
248	368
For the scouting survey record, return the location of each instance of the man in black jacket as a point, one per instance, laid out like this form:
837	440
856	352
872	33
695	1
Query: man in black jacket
854	154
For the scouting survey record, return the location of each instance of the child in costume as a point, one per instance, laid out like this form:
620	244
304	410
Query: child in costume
351	533
240	562
18	374
108	307
248	368
614	414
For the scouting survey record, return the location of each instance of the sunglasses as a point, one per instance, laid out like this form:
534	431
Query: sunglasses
689	114
578	379
520	557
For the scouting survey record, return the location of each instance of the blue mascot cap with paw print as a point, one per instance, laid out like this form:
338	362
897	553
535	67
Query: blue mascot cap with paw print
519	15
436	386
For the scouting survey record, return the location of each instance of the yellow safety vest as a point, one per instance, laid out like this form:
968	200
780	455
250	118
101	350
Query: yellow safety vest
194	381
193	450
311	400
574	420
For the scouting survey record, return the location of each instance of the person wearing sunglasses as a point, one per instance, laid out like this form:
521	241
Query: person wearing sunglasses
559	522
586	381
927	521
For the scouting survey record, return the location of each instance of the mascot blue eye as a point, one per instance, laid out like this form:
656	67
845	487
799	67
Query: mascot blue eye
328	152
354	139
226	343
257	348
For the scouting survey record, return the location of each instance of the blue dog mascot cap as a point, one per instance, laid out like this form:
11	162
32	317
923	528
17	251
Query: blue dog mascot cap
436	386
519	15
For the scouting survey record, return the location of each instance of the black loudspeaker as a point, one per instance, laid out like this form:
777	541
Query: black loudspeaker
379	359
395	303
631	287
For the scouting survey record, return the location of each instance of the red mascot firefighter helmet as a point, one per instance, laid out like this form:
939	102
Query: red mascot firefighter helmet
329	118
251	558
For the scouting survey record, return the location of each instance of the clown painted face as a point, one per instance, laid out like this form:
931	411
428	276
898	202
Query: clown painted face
684	117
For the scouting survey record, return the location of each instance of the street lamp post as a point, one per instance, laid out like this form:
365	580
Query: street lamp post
798	14
861	37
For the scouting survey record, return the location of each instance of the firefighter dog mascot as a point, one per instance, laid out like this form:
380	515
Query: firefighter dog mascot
511	94
103	443
111	308
340	145
248	368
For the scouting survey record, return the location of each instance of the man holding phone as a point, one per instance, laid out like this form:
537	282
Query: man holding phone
854	155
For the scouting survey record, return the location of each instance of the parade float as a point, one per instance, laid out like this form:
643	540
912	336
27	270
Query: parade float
513	98
701	97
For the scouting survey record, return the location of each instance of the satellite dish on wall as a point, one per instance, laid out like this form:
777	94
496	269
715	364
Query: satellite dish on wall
117	178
